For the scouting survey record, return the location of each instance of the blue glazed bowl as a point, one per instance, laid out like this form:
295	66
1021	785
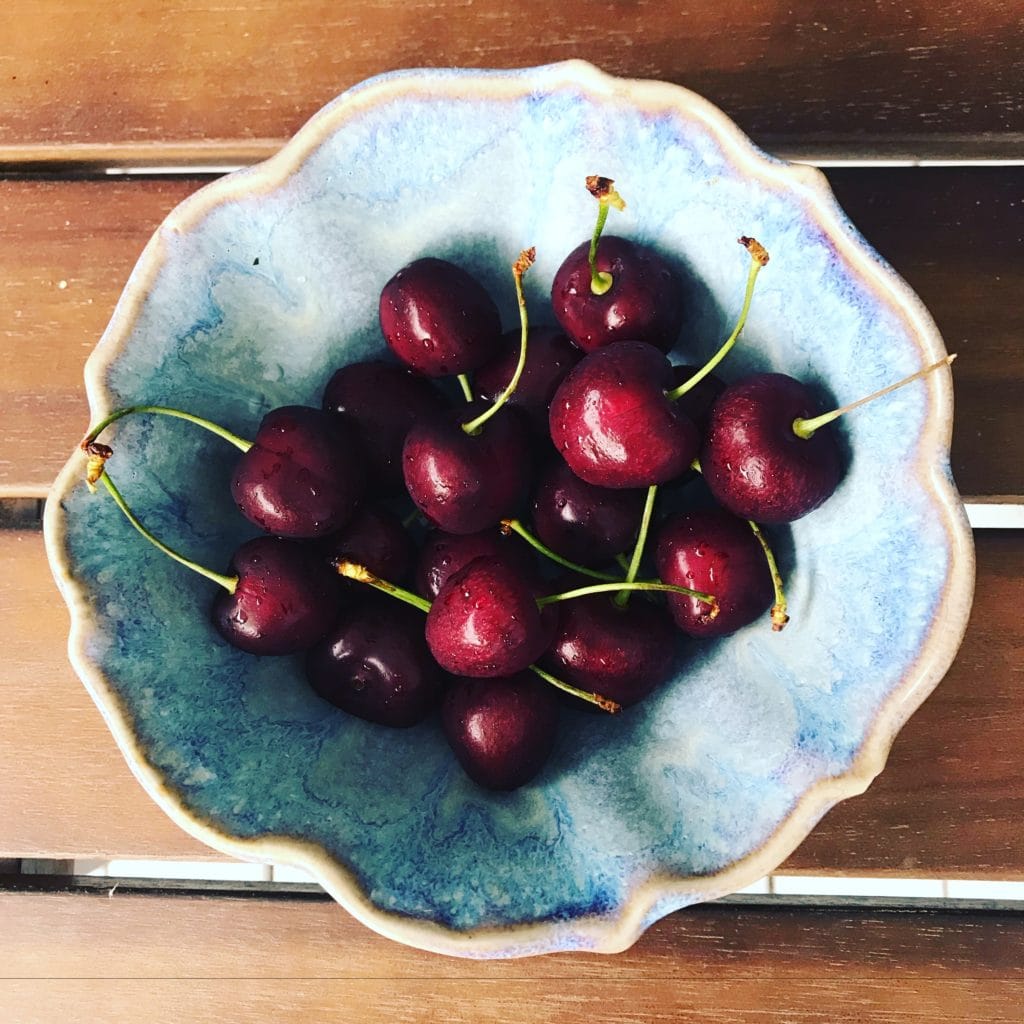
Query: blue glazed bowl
259	285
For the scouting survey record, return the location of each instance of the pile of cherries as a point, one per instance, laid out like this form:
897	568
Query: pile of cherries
584	425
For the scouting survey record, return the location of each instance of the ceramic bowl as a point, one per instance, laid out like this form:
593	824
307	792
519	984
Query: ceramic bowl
258	286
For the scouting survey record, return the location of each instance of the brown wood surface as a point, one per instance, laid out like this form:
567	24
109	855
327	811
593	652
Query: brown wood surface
949	804
108	81
118	958
67	247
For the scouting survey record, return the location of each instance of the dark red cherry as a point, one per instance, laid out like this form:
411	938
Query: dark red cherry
375	538
485	621
302	476
501	730
285	600
621	653
380	401
697	402
644	302
375	664
445	553
755	464
438	319
713	551
612	423
462	482
549	357
586	524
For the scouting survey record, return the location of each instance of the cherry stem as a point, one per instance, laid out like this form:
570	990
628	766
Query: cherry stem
779	616
806	428
515	526
602	190
521	265
359	573
612	588
603	703
239	442
622	599
467	388
758	258
229	583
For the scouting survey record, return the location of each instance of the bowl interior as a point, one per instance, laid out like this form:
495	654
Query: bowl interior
253	295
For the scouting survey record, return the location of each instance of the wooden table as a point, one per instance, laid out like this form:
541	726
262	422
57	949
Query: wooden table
915	109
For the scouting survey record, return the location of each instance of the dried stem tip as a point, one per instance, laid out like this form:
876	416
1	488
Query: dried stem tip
526	260
98	455
755	248
602	189
354	571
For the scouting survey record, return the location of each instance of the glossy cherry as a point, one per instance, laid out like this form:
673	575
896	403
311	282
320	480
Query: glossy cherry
285	598
374	537
644	302
438	319
302	476
621	653
485	621
550	356
755	464
374	663
380	401
465	482
501	730
586	524
443	554
699	400
713	550
613	423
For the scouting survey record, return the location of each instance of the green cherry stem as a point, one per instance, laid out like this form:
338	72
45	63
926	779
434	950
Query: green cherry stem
359	573
229	583
622	599
521	265
467	388
611	588
602	189
604	703
515	526
806	428
758	258
779	616
239	442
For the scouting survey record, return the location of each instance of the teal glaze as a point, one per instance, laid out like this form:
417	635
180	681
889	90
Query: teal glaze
257	300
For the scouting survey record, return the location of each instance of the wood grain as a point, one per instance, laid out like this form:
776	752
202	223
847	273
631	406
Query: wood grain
949	804
108	82
90	957
67	247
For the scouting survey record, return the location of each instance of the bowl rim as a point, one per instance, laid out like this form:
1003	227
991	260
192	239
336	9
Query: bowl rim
658	893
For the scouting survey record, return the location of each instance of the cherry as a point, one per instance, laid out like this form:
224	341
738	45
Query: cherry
375	664
698	401
621	653
285	598
380	401
618	290
438	319
549	358
764	457
579	521
374	537
613	423
445	553
485	621
501	730
462	482
712	549
301	477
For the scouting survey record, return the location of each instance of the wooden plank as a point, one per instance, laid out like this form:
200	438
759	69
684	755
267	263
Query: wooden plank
66	248
122	958
93	80
949	804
